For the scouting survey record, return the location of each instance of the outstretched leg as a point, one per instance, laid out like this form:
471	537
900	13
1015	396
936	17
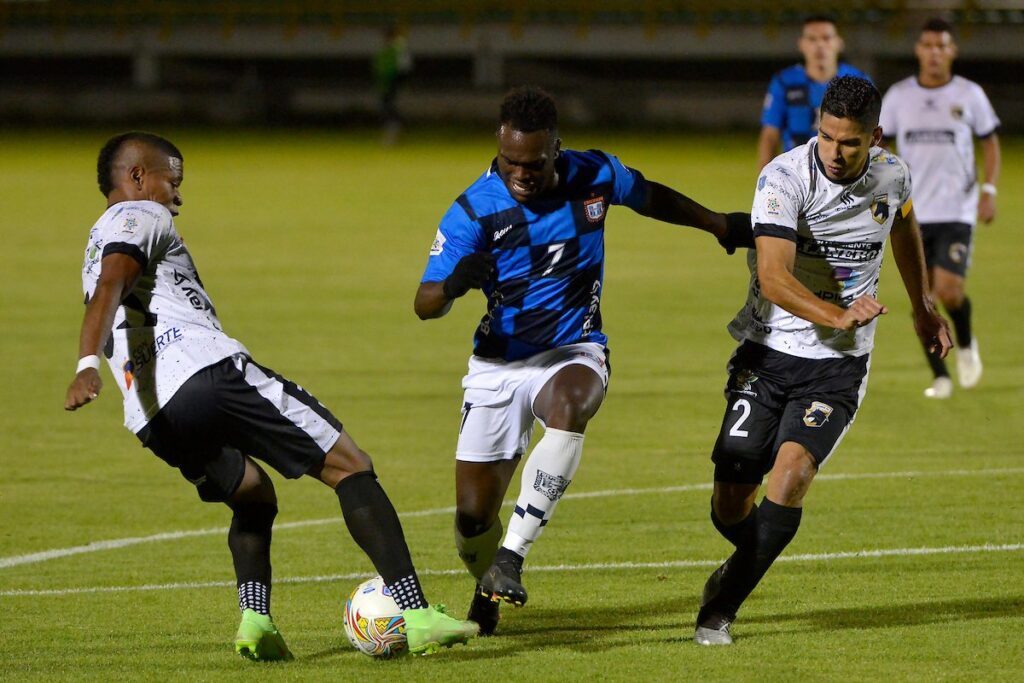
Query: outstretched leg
374	525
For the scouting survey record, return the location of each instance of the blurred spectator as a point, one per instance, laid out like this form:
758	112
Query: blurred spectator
391	67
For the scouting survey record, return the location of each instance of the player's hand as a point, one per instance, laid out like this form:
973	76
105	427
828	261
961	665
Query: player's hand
471	272
84	388
933	331
738	233
863	310
986	207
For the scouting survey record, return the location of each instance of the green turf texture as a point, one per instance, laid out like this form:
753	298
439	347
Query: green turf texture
311	245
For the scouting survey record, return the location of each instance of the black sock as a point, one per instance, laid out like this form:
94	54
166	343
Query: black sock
937	364
961	318
374	525
737	533
249	541
776	527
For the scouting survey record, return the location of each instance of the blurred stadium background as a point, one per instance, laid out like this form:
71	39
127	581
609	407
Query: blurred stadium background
697	63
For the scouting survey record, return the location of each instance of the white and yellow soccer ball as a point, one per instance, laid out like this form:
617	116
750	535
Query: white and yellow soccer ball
373	622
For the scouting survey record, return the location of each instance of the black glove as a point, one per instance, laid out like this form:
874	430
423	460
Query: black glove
738	232
471	272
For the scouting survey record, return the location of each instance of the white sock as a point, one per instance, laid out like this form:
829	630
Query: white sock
547	473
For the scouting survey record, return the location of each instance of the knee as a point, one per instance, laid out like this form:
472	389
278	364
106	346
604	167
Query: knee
950	295
473	522
339	464
571	409
253	517
731	506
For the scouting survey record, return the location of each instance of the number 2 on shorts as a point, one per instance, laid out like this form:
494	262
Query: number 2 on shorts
743	405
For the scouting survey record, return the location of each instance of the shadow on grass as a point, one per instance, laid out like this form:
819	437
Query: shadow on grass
903	614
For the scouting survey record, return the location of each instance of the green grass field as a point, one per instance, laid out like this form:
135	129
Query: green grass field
312	245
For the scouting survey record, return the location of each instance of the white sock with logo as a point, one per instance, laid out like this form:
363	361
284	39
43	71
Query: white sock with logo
547	473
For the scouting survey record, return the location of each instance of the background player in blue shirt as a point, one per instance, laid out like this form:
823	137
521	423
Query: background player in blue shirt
530	233
790	113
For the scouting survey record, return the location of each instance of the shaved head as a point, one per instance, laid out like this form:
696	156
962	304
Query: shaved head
141	166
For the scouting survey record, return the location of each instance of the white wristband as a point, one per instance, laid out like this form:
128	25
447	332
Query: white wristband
989	188
92	361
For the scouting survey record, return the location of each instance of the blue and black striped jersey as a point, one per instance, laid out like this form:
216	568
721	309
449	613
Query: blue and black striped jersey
793	101
549	253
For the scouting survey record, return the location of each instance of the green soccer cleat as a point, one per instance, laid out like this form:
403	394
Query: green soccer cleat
259	640
430	628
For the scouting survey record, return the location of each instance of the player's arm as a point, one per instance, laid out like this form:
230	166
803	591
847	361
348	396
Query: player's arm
434	299
768	145
665	204
118	275
775	259
992	164
906	248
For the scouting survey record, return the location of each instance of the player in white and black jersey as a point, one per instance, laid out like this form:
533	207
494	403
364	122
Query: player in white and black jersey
934	118
197	399
821	216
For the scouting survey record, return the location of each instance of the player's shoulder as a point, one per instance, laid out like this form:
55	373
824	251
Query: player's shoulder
847	69
789	167
886	166
794	74
487	195
883	158
136	216
589	166
967	85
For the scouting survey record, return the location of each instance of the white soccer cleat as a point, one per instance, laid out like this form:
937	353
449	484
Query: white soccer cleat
968	365
942	387
713	631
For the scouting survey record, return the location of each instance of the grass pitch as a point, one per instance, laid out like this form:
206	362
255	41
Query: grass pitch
311	245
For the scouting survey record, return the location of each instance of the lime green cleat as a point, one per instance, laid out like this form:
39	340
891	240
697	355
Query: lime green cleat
429	629
259	640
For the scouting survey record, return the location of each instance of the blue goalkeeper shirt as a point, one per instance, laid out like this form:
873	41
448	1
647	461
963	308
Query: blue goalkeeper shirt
549	253
793	101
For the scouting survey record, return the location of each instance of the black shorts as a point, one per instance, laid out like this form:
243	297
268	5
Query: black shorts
947	246
234	408
773	397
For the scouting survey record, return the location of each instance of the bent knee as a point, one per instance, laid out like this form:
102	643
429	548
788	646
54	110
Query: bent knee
474	521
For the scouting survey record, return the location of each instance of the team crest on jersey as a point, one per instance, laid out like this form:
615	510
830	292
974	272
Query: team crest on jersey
880	208
551	486
817	414
594	209
957	111
438	246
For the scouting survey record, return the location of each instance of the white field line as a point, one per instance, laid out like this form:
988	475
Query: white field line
599	566
113	544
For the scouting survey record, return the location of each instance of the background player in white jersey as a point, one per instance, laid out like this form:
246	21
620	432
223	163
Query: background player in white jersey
934	118
197	399
822	213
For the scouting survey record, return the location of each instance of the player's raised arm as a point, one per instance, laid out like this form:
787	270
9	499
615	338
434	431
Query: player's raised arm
662	203
931	328
118	276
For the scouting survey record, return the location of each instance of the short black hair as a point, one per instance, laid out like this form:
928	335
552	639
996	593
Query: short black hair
938	25
528	109
819	19
110	150
852	97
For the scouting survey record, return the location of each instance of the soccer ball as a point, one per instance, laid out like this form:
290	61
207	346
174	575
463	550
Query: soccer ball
373	622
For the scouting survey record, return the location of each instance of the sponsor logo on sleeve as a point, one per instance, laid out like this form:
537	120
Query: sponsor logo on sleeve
817	414
761	181
130	223
438	246
772	206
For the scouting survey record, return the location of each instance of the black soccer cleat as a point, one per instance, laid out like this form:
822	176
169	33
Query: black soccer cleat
484	612
502	582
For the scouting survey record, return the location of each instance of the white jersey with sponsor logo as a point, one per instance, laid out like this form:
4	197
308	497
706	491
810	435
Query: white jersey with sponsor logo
934	130
165	329
840	232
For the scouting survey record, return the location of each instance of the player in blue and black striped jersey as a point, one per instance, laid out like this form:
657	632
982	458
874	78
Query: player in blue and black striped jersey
790	112
530	233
